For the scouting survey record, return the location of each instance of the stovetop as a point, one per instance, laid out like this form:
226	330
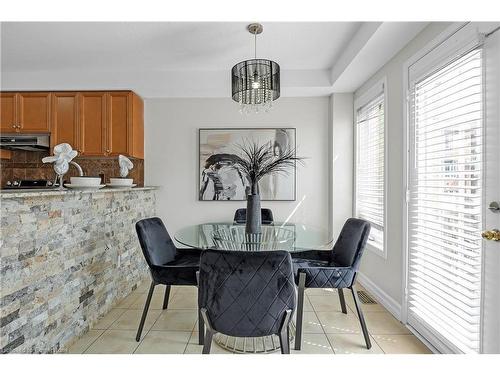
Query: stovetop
29	184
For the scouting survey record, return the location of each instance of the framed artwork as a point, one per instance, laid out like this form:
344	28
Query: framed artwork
218	147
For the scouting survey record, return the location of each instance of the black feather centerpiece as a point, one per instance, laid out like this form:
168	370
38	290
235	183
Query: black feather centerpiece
255	162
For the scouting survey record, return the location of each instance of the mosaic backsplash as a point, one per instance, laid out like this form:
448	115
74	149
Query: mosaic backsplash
27	165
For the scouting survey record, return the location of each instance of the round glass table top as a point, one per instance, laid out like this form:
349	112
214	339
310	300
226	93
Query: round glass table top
230	236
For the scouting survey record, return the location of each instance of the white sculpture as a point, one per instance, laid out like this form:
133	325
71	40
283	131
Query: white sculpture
63	154
125	165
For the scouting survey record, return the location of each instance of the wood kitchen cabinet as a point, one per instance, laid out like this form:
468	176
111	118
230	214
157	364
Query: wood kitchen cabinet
99	123
8	113
65	126
92	132
26	112
95	123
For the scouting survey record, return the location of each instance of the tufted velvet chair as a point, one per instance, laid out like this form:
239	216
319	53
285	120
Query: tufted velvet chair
240	216
333	269
246	294
167	264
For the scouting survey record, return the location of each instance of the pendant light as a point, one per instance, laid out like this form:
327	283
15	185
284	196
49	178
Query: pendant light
255	82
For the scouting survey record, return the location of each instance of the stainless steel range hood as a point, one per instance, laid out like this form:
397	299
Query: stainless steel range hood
27	142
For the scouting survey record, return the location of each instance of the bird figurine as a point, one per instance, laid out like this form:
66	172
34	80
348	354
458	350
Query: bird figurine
63	154
125	165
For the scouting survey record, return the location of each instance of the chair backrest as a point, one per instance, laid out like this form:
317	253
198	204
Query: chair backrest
246	293
351	243
240	216
157	246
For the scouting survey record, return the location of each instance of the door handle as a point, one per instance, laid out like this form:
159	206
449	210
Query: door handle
493	234
494	206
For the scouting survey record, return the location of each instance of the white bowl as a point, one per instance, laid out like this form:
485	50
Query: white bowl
85	181
121	181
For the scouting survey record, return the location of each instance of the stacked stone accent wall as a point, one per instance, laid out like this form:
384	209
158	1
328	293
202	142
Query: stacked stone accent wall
66	260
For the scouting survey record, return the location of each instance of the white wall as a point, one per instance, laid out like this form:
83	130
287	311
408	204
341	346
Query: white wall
386	274
341	157
171	160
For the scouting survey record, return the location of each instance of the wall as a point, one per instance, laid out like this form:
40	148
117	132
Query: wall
171	159
341	157
27	165
66	259
386	274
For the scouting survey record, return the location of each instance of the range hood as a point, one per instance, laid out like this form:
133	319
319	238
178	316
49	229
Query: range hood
26	142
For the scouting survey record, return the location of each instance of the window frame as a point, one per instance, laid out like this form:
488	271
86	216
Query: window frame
380	87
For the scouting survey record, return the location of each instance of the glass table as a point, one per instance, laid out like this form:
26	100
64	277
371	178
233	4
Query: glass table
279	236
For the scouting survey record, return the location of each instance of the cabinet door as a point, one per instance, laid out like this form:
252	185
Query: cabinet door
8	120
92	123
34	112
118	124
65	127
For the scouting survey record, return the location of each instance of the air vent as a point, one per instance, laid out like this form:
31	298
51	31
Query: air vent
366	298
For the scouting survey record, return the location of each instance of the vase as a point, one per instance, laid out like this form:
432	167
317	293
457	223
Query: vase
254	220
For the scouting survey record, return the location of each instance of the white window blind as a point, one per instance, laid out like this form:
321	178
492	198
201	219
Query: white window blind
370	168
444	213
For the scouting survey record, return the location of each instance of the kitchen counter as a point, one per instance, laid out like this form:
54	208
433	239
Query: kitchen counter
22	193
66	258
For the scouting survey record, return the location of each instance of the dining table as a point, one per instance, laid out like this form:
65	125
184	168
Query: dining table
292	237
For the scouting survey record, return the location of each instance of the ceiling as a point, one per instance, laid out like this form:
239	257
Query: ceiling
169	45
189	59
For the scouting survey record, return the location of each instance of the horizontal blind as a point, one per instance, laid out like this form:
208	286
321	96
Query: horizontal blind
445	208
370	167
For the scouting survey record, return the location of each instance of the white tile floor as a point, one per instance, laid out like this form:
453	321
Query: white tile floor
175	331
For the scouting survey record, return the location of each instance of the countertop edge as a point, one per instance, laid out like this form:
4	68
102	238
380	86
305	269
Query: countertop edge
33	193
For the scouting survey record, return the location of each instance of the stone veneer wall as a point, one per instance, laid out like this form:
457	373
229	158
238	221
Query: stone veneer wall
27	165
66	260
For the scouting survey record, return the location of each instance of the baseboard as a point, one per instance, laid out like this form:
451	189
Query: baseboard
382	297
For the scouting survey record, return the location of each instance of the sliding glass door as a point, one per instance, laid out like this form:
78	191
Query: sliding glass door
448	168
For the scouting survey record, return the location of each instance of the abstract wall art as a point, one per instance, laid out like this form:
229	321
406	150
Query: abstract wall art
218	148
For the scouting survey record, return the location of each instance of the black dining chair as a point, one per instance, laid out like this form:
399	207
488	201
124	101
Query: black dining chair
246	294
336	268
240	216
167	264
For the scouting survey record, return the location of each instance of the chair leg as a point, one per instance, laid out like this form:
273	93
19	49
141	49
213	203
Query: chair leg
145	311
209	335
361	317
208	342
201	329
300	311
284	333
284	342
167	296
342	300
201	325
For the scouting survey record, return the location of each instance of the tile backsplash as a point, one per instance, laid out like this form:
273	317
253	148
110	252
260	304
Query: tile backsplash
28	165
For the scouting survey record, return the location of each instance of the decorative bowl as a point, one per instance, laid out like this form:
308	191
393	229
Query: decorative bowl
85	181
121	181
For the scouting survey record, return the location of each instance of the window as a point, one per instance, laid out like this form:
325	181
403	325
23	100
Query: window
370	173
444	211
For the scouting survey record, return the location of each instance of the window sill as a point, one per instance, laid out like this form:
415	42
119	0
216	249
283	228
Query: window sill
381	252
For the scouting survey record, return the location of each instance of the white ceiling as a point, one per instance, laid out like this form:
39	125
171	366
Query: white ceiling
188	59
169	45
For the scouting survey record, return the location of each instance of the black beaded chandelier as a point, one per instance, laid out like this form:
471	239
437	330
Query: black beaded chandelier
256	82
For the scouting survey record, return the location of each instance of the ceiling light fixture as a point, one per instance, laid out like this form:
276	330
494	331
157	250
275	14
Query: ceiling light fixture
256	82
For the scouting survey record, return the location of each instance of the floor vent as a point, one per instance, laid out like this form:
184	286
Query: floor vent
366	298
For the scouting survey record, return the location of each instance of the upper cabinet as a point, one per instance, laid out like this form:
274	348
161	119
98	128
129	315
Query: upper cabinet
93	123
34	112
99	123
8	113
65	126
26	112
